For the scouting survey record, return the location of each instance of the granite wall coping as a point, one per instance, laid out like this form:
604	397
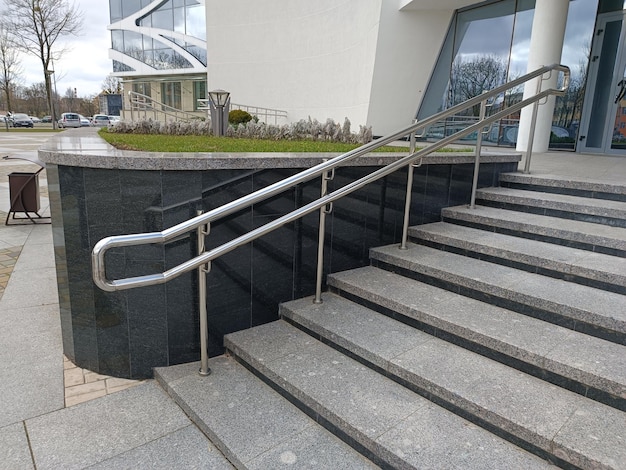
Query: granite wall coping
85	148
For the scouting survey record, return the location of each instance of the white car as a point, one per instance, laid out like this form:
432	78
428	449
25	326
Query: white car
35	119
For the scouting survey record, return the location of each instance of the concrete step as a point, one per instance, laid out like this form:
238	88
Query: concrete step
401	428
565	185
587	365
580	266
552	421
580	308
599	211
251	424
582	235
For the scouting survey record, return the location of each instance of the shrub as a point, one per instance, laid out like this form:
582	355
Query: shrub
239	116
310	129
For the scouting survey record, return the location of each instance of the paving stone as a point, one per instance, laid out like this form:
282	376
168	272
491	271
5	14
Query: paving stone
91	432
14	448
187	448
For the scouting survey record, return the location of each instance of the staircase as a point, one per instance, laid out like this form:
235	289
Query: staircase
496	340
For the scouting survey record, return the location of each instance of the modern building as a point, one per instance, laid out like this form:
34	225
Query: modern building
159	50
382	63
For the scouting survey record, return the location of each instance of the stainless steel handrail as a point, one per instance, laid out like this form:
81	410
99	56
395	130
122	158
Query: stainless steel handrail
322	169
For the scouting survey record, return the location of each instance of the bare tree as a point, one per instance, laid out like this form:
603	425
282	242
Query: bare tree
36	25
473	77
112	84
10	68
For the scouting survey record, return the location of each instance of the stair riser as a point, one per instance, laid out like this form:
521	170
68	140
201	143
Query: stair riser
617	221
475	253
530	233
554	317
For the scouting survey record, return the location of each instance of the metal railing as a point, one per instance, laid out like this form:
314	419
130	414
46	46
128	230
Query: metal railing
325	170
263	114
144	106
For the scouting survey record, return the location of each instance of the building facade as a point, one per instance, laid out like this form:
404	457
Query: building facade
383	63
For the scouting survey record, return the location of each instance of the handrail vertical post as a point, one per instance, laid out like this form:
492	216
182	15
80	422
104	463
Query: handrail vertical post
479	143
202	231
407	198
324	210
533	124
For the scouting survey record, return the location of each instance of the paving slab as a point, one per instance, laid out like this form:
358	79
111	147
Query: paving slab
14	448
249	422
366	405
31	362
91	432
187	448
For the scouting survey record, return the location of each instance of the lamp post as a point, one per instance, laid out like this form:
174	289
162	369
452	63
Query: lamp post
219	101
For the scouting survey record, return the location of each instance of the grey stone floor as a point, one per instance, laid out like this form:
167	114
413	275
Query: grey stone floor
137	427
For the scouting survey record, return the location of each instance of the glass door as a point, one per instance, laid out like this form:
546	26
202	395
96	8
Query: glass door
603	127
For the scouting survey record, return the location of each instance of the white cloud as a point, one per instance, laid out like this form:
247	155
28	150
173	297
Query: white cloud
86	63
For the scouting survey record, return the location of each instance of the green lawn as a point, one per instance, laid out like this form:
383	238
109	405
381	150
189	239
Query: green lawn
194	143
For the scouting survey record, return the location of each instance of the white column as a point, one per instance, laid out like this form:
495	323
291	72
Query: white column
546	45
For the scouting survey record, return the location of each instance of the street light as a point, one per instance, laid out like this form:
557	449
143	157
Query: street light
219	101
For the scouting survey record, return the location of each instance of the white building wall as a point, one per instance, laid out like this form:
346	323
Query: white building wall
408	45
310	58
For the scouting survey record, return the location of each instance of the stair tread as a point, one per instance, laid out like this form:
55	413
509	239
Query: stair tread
560	181
568	260
591	361
578	204
249	422
582	303
525	406
573	230
407	430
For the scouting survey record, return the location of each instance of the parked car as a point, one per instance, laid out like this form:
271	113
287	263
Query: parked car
35	119
101	120
21	120
46	119
69	120
84	122
114	119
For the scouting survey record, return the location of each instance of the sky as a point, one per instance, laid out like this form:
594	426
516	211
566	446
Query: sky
86	63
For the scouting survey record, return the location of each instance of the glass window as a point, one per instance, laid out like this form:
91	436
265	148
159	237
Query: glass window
196	22
117	40
163	19
130	6
179	20
142	88
488	45
199	92
171	94
115	10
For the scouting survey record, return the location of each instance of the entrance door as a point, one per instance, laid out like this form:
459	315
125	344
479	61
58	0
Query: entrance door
603	127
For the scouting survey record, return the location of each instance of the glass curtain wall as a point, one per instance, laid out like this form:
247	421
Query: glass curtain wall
487	46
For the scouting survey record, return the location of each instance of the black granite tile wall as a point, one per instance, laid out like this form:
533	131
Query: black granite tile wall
127	333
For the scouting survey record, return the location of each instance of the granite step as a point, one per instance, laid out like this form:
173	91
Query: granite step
580	308
590	366
398	426
251	424
572	264
600	211
549	420
597	189
577	234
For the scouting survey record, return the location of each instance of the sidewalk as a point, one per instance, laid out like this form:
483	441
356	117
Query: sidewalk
53	414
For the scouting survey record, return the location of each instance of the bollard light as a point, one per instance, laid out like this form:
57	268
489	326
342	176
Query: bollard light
219	108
